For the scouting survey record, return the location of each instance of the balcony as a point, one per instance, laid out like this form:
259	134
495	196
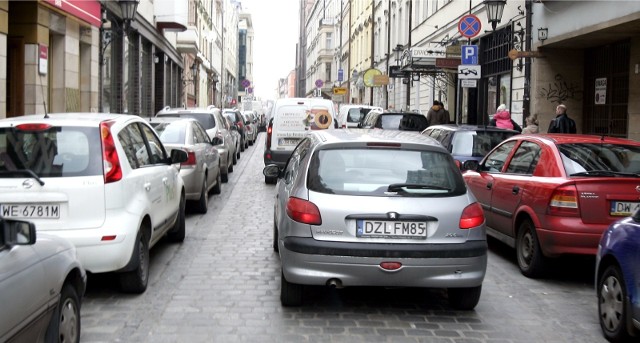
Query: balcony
187	41
171	15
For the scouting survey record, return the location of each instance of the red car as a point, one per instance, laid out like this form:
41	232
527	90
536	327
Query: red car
554	194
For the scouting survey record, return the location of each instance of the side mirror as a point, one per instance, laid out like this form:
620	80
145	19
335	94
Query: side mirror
217	141
470	165
17	232
234	127
272	170
178	156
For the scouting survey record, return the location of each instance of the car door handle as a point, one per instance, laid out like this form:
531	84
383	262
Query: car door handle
147	186
489	185
515	190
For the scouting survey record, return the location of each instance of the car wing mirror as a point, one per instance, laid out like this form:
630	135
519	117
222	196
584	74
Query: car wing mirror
272	170
216	141
470	165
178	156
17	232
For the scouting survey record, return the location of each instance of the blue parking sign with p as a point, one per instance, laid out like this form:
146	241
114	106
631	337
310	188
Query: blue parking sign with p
469	54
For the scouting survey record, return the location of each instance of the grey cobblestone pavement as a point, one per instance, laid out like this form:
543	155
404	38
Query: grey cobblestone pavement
222	285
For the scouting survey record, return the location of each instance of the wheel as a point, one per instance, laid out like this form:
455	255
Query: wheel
225	174
235	158
203	203
135	281
238	152
530	258
217	189
612	305
64	326
230	169
464	298
290	293
270	180
178	232
242	144
276	248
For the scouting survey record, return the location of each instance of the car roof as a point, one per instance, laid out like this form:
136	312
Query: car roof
78	117
567	138
354	135
465	127
192	110
169	119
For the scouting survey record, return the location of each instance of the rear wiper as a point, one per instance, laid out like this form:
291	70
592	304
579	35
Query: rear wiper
604	173
394	187
27	172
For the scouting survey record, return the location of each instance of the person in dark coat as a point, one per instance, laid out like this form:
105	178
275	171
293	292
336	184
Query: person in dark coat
436	114
562	123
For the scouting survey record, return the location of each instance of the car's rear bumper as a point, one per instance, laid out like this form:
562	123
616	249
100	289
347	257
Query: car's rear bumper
311	262
556	242
192	183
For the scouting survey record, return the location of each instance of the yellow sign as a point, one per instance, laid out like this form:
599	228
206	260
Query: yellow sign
339	90
369	75
380	80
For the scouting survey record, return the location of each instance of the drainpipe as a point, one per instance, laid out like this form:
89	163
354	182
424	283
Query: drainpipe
526	101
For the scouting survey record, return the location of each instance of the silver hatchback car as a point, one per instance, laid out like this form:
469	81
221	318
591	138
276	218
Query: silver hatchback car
387	208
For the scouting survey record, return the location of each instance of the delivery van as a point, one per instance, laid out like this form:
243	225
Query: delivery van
291	120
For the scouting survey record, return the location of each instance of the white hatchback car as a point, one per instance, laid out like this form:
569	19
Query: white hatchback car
105	182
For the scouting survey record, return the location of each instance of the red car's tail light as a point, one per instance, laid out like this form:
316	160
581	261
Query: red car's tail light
303	211
33	127
269	131
110	160
191	159
391	265
472	216
564	201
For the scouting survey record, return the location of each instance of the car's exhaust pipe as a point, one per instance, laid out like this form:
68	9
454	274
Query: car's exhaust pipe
334	283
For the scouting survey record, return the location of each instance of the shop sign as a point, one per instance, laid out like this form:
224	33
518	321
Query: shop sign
601	91
87	10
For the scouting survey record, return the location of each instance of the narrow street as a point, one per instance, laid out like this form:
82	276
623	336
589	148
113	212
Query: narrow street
222	285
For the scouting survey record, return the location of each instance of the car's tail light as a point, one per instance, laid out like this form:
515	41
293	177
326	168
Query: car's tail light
240	125
110	160
303	211
191	159
391	265
269	131
472	216
564	201
33	127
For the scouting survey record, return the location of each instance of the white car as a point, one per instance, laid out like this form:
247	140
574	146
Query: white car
41	286
105	182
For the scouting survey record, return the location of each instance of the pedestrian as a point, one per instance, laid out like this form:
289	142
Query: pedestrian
447	115
532	124
502	119
436	115
562	123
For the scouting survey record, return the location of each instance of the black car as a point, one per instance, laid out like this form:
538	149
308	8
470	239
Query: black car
405	121
468	142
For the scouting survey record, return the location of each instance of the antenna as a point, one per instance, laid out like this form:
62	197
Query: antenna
44	103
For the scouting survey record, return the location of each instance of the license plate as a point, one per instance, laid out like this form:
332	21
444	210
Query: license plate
623	208
30	211
391	229
288	141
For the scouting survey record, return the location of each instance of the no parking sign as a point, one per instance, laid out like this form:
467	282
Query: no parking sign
469	26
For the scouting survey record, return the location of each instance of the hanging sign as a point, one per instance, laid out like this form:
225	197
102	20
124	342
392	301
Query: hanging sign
469	26
43	59
601	91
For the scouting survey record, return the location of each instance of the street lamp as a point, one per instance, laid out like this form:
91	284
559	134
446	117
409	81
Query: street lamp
128	8
494	11
398	53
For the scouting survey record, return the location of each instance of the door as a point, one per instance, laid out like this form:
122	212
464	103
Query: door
15	77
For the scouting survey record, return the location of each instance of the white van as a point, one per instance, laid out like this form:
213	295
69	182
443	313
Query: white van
291	120
352	115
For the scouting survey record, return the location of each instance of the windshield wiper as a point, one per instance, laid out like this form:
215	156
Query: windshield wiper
27	172
394	187
604	173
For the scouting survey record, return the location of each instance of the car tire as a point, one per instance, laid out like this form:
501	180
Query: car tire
290	293
276	248
217	189
238	152
135	281
64	325
464	299
231	166
178	232
612	305
530	258
235	158
203	202
242	145
225	174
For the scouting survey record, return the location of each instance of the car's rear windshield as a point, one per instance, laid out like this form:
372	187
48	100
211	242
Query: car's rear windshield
384	172
477	143
206	119
355	115
405	122
171	133
579	158
54	152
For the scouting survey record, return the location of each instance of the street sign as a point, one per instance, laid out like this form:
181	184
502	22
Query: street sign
340	75
380	80
319	83
469	26
469	83
368	76
431	52
395	71
513	54
246	83
469	72
469	54
339	90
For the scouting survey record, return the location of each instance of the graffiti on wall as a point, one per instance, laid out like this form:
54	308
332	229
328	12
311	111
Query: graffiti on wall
560	90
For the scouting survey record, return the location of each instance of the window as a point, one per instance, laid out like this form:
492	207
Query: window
155	146
327	71
496	160
525	159
329	42
133	144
